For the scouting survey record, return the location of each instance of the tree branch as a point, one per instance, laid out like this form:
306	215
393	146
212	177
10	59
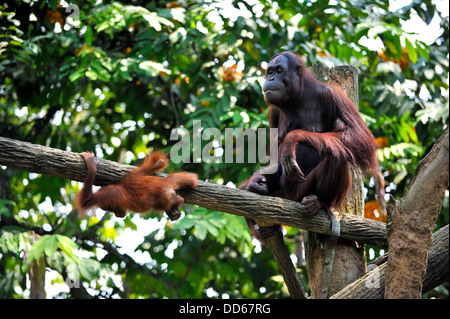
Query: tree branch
266	209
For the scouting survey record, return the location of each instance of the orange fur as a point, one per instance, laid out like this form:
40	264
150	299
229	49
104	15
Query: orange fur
138	191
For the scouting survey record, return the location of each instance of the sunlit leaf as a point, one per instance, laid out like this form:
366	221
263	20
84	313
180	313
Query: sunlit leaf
412	53
153	68
423	49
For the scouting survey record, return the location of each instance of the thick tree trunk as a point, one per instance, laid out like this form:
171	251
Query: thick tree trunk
349	258
372	285
413	219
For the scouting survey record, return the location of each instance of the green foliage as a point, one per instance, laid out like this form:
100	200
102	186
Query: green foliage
48	244
120	76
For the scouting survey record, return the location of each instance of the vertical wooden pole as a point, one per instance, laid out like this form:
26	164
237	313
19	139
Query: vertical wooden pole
37	275
350	260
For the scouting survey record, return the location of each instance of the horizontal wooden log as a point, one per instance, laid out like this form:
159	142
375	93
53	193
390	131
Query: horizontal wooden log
45	160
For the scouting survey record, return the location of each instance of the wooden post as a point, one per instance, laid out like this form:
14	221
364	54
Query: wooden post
37	274
350	260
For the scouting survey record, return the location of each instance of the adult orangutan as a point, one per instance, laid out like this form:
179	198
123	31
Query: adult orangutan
320	134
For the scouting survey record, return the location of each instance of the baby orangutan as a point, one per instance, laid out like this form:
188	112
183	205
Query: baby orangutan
138	191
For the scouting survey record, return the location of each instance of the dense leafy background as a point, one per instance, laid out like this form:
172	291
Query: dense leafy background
119	76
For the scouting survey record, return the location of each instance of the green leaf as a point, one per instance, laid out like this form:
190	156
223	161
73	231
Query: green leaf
399	177
222	237
66	242
398	45
155	21
51	244
89	268
423	49
211	228
412	53
100	71
38	248
237	117
88	35
185	223
201	230
218	220
153	68
48	245
376	30
68	247
3	209
386	152
10	240
76	75
73	272
178	34
391	47
234	227
91	74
